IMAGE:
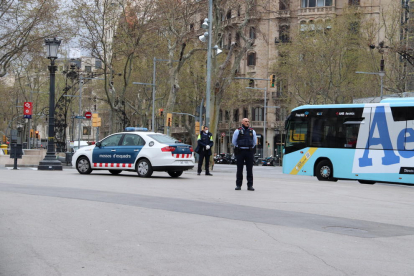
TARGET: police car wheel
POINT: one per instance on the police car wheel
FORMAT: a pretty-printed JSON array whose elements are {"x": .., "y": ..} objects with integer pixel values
[
  {"x": 115, "y": 172},
  {"x": 144, "y": 168},
  {"x": 175, "y": 174},
  {"x": 83, "y": 165}
]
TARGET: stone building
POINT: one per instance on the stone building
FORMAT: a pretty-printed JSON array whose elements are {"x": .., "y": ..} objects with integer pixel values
[{"x": 276, "y": 19}]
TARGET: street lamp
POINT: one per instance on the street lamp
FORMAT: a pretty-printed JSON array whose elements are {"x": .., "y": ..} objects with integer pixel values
[{"x": 50, "y": 162}]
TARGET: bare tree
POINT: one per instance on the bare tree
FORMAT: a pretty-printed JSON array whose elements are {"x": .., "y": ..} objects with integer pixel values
[
  {"x": 25, "y": 23},
  {"x": 113, "y": 31}
]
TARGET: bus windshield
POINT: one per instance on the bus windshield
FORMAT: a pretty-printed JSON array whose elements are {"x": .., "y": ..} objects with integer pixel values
[{"x": 323, "y": 129}]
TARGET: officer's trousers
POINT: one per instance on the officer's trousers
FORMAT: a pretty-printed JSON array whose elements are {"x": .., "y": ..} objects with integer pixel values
[
  {"x": 244, "y": 156},
  {"x": 203, "y": 154}
]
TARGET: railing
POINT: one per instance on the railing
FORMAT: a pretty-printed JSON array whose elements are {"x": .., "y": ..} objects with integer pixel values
[
  {"x": 283, "y": 13},
  {"x": 316, "y": 10},
  {"x": 225, "y": 126},
  {"x": 257, "y": 123}
]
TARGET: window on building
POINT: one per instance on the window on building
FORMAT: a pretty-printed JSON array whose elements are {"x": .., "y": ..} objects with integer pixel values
[
  {"x": 98, "y": 64},
  {"x": 257, "y": 114},
  {"x": 221, "y": 115},
  {"x": 317, "y": 3},
  {"x": 227, "y": 115},
  {"x": 303, "y": 26},
  {"x": 354, "y": 2},
  {"x": 236, "y": 115},
  {"x": 238, "y": 38},
  {"x": 245, "y": 113},
  {"x": 88, "y": 69},
  {"x": 252, "y": 33},
  {"x": 228, "y": 15},
  {"x": 284, "y": 33},
  {"x": 251, "y": 59},
  {"x": 251, "y": 83},
  {"x": 229, "y": 41},
  {"x": 284, "y": 5},
  {"x": 354, "y": 27},
  {"x": 191, "y": 27},
  {"x": 238, "y": 11},
  {"x": 86, "y": 130}
]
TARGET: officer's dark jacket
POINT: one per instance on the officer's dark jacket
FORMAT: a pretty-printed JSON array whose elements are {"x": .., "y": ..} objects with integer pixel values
[
  {"x": 245, "y": 138},
  {"x": 204, "y": 140}
]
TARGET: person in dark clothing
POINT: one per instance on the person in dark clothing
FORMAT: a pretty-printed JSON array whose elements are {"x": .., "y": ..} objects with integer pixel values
[
  {"x": 244, "y": 141},
  {"x": 204, "y": 145}
]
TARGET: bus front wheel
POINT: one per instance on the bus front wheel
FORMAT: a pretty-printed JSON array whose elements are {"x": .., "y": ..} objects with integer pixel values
[{"x": 324, "y": 171}]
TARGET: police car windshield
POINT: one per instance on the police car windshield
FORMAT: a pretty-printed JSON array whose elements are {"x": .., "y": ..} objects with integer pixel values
[{"x": 162, "y": 138}]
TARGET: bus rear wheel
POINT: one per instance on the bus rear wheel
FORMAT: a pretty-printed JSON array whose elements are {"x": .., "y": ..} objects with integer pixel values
[{"x": 324, "y": 171}]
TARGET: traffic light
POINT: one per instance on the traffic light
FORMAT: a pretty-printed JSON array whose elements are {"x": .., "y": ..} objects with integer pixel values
[
  {"x": 272, "y": 80},
  {"x": 222, "y": 139},
  {"x": 31, "y": 133},
  {"x": 197, "y": 127},
  {"x": 96, "y": 120},
  {"x": 4, "y": 140},
  {"x": 37, "y": 134},
  {"x": 161, "y": 111},
  {"x": 169, "y": 119}
]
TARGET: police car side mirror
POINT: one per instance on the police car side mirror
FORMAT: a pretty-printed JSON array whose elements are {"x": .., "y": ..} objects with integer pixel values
[{"x": 98, "y": 144}]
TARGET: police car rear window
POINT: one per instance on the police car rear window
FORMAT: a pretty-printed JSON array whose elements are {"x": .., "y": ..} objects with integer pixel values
[{"x": 161, "y": 138}]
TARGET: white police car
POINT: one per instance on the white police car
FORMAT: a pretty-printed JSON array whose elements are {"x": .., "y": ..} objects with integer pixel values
[{"x": 143, "y": 152}]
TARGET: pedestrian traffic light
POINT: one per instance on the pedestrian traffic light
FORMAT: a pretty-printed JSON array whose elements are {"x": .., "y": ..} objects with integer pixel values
[
  {"x": 37, "y": 134},
  {"x": 272, "y": 80},
  {"x": 197, "y": 127},
  {"x": 31, "y": 133},
  {"x": 161, "y": 111},
  {"x": 169, "y": 119}
]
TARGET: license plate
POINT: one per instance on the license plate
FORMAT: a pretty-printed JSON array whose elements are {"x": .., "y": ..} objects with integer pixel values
[{"x": 183, "y": 162}]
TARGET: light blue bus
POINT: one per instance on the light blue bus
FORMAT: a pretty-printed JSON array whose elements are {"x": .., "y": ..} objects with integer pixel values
[{"x": 371, "y": 142}]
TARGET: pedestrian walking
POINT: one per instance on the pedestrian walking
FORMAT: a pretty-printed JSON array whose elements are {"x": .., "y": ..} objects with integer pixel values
[
  {"x": 204, "y": 145},
  {"x": 244, "y": 141}
]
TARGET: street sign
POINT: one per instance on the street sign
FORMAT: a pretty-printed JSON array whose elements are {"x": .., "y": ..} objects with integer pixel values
[
  {"x": 27, "y": 110},
  {"x": 88, "y": 114},
  {"x": 80, "y": 117},
  {"x": 223, "y": 134}
]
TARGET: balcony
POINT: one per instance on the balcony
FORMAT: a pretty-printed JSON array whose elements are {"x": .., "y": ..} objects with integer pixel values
[
  {"x": 225, "y": 125},
  {"x": 283, "y": 14},
  {"x": 257, "y": 124},
  {"x": 315, "y": 11}
]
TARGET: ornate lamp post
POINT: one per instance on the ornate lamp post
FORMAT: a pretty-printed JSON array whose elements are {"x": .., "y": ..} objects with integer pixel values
[{"x": 50, "y": 162}]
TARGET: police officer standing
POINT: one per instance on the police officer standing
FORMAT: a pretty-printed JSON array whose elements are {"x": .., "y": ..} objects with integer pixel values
[
  {"x": 244, "y": 141},
  {"x": 204, "y": 144}
]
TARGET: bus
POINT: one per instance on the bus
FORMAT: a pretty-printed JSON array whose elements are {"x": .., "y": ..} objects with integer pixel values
[{"x": 371, "y": 142}]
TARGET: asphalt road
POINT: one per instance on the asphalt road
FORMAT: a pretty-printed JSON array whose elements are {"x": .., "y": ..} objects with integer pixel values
[{"x": 64, "y": 223}]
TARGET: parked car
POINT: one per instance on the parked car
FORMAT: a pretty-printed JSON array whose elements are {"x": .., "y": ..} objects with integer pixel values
[{"x": 143, "y": 152}]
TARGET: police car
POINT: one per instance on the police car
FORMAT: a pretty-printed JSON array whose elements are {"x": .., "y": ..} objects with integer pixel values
[{"x": 135, "y": 150}]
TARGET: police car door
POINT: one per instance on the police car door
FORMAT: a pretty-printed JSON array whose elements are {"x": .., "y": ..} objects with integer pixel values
[
  {"x": 105, "y": 155},
  {"x": 127, "y": 153}
]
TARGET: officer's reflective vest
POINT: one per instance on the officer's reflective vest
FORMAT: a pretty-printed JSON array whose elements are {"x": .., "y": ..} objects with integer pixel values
[
  {"x": 245, "y": 138},
  {"x": 205, "y": 138}
]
